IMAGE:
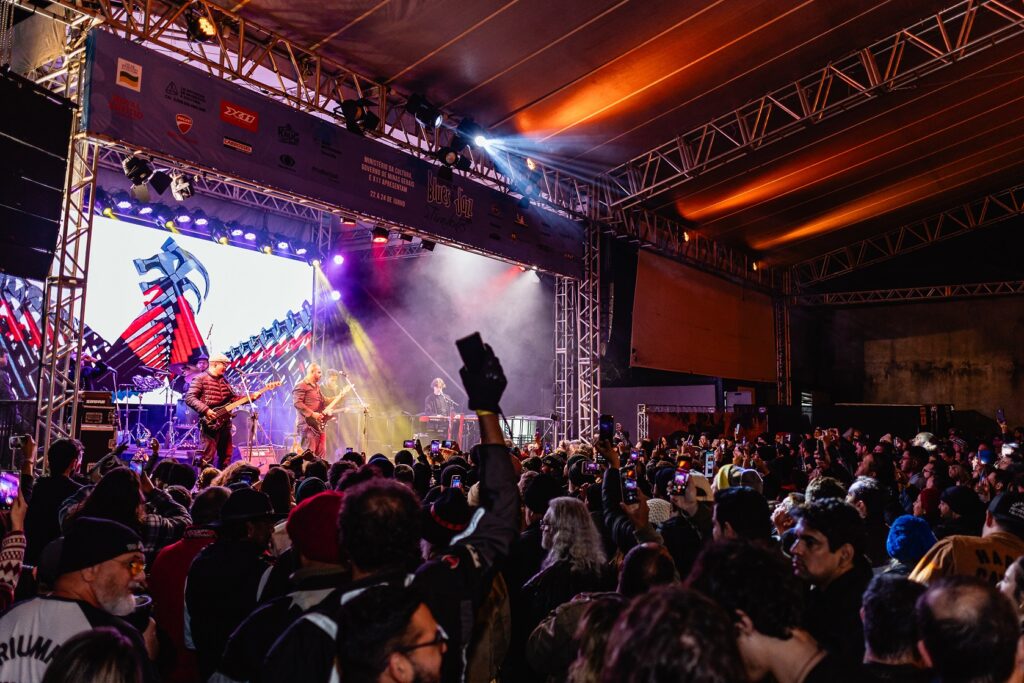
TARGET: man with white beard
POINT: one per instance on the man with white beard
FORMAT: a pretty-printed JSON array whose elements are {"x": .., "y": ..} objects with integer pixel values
[{"x": 101, "y": 566}]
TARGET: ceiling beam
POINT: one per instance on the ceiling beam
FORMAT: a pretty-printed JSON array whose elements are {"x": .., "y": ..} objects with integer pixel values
[
  {"x": 979, "y": 213},
  {"x": 895, "y": 62},
  {"x": 910, "y": 294}
]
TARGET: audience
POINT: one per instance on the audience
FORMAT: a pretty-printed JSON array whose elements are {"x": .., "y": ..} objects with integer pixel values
[{"x": 806, "y": 558}]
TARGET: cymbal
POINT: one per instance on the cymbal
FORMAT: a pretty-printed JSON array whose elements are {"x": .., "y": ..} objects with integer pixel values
[
  {"x": 184, "y": 368},
  {"x": 159, "y": 371}
]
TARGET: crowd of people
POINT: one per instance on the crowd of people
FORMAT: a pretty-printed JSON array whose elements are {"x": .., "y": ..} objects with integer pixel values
[{"x": 827, "y": 557}]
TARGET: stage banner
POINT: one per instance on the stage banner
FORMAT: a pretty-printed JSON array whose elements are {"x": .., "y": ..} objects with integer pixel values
[{"x": 143, "y": 98}]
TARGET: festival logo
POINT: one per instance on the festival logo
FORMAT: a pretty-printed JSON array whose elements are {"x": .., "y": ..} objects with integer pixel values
[
  {"x": 237, "y": 145},
  {"x": 238, "y": 115},
  {"x": 183, "y": 122},
  {"x": 129, "y": 75},
  {"x": 122, "y": 106},
  {"x": 287, "y": 134}
]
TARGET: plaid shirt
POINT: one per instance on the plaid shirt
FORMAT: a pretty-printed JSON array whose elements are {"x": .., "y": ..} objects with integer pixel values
[{"x": 163, "y": 523}]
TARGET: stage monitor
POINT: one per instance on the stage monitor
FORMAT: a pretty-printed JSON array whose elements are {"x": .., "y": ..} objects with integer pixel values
[{"x": 34, "y": 147}]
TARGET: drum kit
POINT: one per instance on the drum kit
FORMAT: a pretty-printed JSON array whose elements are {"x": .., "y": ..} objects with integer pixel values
[{"x": 180, "y": 429}]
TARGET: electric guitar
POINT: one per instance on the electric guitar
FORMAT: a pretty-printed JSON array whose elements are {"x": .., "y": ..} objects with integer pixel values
[
  {"x": 327, "y": 417},
  {"x": 223, "y": 413}
]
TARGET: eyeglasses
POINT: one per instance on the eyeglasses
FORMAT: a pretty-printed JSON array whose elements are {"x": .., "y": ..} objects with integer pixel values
[
  {"x": 440, "y": 638},
  {"x": 136, "y": 567}
]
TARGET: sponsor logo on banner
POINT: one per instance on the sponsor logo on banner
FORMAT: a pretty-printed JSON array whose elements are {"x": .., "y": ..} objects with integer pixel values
[
  {"x": 185, "y": 96},
  {"x": 238, "y": 115},
  {"x": 129, "y": 75},
  {"x": 122, "y": 106},
  {"x": 183, "y": 122},
  {"x": 237, "y": 145},
  {"x": 287, "y": 134},
  {"x": 324, "y": 134},
  {"x": 287, "y": 161}
]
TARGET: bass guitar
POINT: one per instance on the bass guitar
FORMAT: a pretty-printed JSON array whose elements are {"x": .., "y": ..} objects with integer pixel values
[
  {"x": 223, "y": 413},
  {"x": 319, "y": 425}
]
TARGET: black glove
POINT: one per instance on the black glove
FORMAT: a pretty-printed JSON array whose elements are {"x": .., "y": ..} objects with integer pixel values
[{"x": 485, "y": 384}]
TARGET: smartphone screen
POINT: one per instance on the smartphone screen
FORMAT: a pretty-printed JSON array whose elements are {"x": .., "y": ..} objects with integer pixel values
[
  {"x": 630, "y": 492},
  {"x": 350, "y": 450},
  {"x": 435, "y": 446},
  {"x": 10, "y": 483},
  {"x": 136, "y": 466},
  {"x": 409, "y": 443},
  {"x": 447, "y": 444},
  {"x": 606, "y": 428},
  {"x": 457, "y": 481},
  {"x": 684, "y": 460},
  {"x": 1000, "y": 415},
  {"x": 680, "y": 480},
  {"x": 591, "y": 468}
]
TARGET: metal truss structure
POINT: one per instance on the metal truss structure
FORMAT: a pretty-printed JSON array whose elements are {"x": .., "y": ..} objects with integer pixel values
[
  {"x": 588, "y": 338},
  {"x": 783, "y": 351},
  {"x": 979, "y": 213},
  {"x": 321, "y": 288},
  {"x": 566, "y": 301},
  {"x": 643, "y": 423},
  {"x": 909, "y": 294},
  {"x": 894, "y": 62},
  {"x": 63, "y": 319}
]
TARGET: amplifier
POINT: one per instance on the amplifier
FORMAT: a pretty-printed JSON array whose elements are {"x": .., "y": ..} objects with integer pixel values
[
  {"x": 95, "y": 429},
  {"x": 261, "y": 457}
]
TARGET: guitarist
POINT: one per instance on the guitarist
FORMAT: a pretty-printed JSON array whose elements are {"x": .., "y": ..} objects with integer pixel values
[
  {"x": 209, "y": 390},
  {"x": 310, "y": 402}
]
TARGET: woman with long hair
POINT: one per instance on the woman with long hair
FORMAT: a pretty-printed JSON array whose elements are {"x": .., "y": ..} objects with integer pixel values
[
  {"x": 101, "y": 655},
  {"x": 575, "y": 561}
]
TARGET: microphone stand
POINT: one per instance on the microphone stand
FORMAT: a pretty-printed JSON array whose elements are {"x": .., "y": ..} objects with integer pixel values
[{"x": 365, "y": 415}]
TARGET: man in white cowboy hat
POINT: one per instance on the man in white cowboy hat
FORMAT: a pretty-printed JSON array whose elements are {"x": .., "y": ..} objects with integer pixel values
[{"x": 207, "y": 391}]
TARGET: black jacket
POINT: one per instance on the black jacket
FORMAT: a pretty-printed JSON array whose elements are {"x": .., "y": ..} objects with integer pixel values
[
  {"x": 559, "y": 584},
  {"x": 254, "y": 637},
  {"x": 833, "y": 614},
  {"x": 42, "y": 521},
  {"x": 221, "y": 590},
  {"x": 454, "y": 584}
]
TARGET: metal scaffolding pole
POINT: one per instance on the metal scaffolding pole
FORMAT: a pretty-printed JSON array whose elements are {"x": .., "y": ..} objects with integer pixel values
[
  {"x": 588, "y": 337},
  {"x": 908, "y": 294},
  {"x": 565, "y": 358},
  {"x": 64, "y": 293}
]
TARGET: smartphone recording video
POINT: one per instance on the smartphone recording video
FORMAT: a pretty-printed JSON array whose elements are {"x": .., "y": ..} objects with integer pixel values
[
  {"x": 409, "y": 443},
  {"x": 435, "y": 446},
  {"x": 630, "y": 491},
  {"x": 457, "y": 481},
  {"x": 679, "y": 481},
  {"x": 10, "y": 484},
  {"x": 606, "y": 428}
]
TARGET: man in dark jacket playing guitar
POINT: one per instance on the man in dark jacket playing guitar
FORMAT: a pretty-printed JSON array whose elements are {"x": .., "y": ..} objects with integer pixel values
[{"x": 207, "y": 391}]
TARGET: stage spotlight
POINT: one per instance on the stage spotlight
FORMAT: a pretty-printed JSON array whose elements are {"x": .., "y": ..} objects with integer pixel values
[
  {"x": 302, "y": 250},
  {"x": 313, "y": 261},
  {"x": 428, "y": 115},
  {"x": 335, "y": 295},
  {"x": 108, "y": 212},
  {"x": 283, "y": 245},
  {"x": 250, "y": 235},
  {"x": 199, "y": 27},
  {"x": 337, "y": 259},
  {"x": 686, "y": 236},
  {"x": 183, "y": 217},
  {"x": 522, "y": 269},
  {"x": 181, "y": 187},
  {"x": 427, "y": 245},
  {"x": 160, "y": 181},
  {"x": 122, "y": 201},
  {"x": 451, "y": 159},
  {"x": 348, "y": 222},
  {"x": 469, "y": 133},
  {"x": 405, "y": 237},
  {"x": 358, "y": 118},
  {"x": 200, "y": 219},
  {"x": 380, "y": 235},
  {"x": 754, "y": 266},
  {"x": 220, "y": 235},
  {"x": 238, "y": 232},
  {"x": 137, "y": 170},
  {"x": 531, "y": 164},
  {"x": 145, "y": 210},
  {"x": 265, "y": 243}
]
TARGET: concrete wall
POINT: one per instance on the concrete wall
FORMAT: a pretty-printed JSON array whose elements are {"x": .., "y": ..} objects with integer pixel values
[{"x": 969, "y": 353}]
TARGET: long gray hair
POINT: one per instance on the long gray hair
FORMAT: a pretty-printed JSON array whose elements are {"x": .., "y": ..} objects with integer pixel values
[{"x": 569, "y": 534}]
